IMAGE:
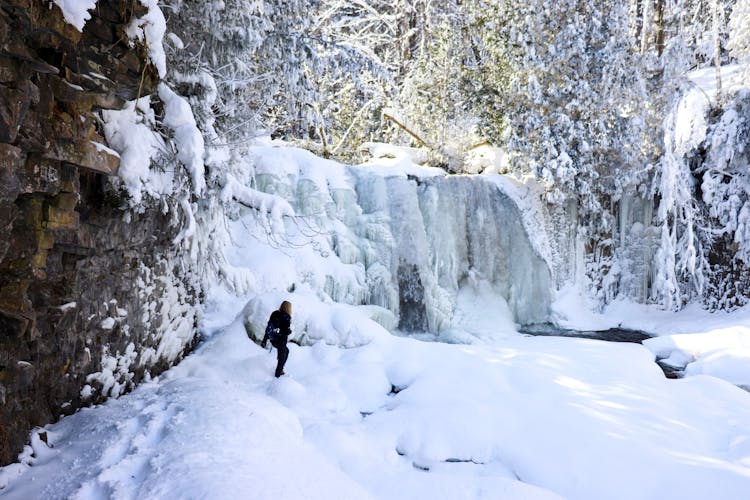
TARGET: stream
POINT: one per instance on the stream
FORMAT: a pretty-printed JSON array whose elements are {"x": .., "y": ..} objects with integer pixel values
[{"x": 611, "y": 335}]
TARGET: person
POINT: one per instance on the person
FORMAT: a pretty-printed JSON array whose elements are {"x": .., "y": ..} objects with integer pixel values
[{"x": 280, "y": 321}]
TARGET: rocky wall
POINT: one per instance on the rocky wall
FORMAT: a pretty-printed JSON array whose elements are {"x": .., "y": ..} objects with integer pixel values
[{"x": 92, "y": 298}]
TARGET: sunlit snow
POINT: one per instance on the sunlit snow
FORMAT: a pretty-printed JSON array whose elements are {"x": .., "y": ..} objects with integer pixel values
[{"x": 365, "y": 414}]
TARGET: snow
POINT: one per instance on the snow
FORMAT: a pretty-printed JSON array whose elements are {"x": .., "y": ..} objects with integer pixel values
[
  {"x": 399, "y": 160},
  {"x": 130, "y": 132},
  {"x": 115, "y": 376},
  {"x": 571, "y": 310},
  {"x": 693, "y": 339},
  {"x": 723, "y": 353},
  {"x": 528, "y": 194},
  {"x": 732, "y": 79},
  {"x": 478, "y": 411},
  {"x": 108, "y": 323},
  {"x": 178, "y": 116},
  {"x": 103, "y": 148},
  {"x": 149, "y": 30},
  {"x": 276, "y": 207},
  {"x": 532, "y": 418},
  {"x": 76, "y": 12}
]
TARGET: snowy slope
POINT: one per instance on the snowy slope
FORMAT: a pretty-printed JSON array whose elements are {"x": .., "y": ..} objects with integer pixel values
[
  {"x": 399, "y": 418},
  {"x": 732, "y": 79}
]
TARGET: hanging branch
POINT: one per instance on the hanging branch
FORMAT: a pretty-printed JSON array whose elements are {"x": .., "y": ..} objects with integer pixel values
[{"x": 395, "y": 120}]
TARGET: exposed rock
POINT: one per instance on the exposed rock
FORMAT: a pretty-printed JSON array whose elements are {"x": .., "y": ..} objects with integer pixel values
[
  {"x": 86, "y": 154},
  {"x": 13, "y": 106},
  {"x": 71, "y": 263}
]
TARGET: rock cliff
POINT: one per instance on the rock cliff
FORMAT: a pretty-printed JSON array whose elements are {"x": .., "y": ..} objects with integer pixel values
[{"x": 93, "y": 297}]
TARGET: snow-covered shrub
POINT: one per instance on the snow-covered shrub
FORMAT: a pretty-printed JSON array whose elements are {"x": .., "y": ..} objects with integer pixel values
[
  {"x": 704, "y": 211},
  {"x": 726, "y": 193}
]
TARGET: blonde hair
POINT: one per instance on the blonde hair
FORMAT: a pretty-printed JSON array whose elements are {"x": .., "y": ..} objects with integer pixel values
[{"x": 286, "y": 307}]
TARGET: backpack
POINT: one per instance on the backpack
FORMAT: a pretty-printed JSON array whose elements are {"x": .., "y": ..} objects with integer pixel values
[{"x": 271, "y": 331}]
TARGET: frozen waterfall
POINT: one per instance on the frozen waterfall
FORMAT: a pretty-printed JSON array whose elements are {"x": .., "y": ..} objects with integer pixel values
[
  {"x": 430, "y": 248},
  {"x": 446, "y": 233}
]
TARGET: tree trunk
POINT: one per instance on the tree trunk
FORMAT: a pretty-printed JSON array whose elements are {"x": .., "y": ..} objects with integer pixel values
[
  {"x": 659, "y": 26},
  {"x": 646, "y": 24},
  {"x": 636, "y": 14},
  {"x": 717, "y": 49},
  {"x": 405, "y": 128}
]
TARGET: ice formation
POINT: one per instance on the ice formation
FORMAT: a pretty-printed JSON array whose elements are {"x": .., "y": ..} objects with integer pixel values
[{"x": 429, "y": 248}]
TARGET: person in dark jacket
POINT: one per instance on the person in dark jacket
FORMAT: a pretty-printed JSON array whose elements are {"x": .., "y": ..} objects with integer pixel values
[{"x": 281, "y": 321}]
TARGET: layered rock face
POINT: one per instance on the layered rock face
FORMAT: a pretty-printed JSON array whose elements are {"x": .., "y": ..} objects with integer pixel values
[{"x": 91, "y": 299}]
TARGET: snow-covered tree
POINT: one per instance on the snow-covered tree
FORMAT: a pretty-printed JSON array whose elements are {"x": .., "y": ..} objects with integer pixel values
[
  {"x": 680, "y": 263},
  {"x": 488, "y": 71},
  {"x": 241, "y": 60},
  {"x": 388, "y": 37},
  {"x": 576, "y": 91},
  {"x": 432, "y": 95},
  {"x": 574, "y": 109},
  {"x": 575, "y": 96},
  {"x": 687, "y": 264},
  {"x": 739, "y": 32},
  {"x": 574, "y": 104},
  {"x": 725, "y": 191}
]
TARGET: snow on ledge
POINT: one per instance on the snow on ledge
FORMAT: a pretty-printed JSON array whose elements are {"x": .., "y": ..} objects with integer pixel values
[
  {"x": 149, "y": 30},
  {"x": 76, "y": 12}
]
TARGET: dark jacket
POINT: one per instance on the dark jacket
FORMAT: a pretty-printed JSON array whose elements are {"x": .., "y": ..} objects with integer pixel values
[{"x": 282, "y": 321}]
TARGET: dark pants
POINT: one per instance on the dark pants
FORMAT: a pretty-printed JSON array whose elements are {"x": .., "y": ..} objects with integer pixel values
[{"x": 282, "y": 353}]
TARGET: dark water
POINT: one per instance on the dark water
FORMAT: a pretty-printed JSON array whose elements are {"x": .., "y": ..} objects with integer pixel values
[{"x": 611, "y": 335}]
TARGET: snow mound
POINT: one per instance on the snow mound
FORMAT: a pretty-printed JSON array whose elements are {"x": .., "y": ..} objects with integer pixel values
[
  {"x": 722, "y": 353},
  {"x": 315, "y": 321}
]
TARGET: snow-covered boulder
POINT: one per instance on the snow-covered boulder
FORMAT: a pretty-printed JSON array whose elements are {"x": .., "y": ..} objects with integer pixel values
[{"x": 316, "y": 321}]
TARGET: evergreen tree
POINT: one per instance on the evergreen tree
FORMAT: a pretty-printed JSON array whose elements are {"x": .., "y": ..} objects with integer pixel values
[
  {"x": 240, "y": 60},
  {"x": 432, "y": 97},
  {"x": 725, "y": 191},
  {"x": 573, "y": 111},
  {"x": 739, "y": 32}
]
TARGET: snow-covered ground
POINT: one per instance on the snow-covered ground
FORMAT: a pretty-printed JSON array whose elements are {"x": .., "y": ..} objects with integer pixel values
[
  {"x": 366, "y": 414},
  {"x": 528, "y": 417},
  {"x": 732, "y": 78},
  {"x": 692, "y": 340}
]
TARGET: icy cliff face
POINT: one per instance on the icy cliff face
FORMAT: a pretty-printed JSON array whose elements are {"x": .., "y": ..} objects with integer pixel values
[
  {"x": 449, "y": 233},
  {"x": 433, "y": 249}
]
